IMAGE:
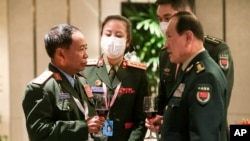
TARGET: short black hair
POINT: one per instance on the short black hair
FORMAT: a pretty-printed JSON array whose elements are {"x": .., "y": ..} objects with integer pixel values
[
  {"x": 59, "y": 36},
  {"x": 187, "y": 21},
  {"x": 178, "y": 5}
]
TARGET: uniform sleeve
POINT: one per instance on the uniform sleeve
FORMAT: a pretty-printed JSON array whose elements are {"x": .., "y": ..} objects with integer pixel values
[
  {"x": 41, "y": 123},
  {"x": 161, "y": 88},
  {"x": 225, "y": 61},
  {"x": 139, "y": 131},
  {"x": 206, "y": 108}
]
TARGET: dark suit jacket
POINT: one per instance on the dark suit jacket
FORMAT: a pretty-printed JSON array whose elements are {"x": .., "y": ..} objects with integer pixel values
[
  {"x": 196, "y": 109},
  {"x": 127, "y": 111},
  {"x": 51, "y": 116}
]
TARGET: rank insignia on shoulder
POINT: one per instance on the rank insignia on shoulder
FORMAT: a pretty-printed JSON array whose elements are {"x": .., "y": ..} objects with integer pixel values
[
  {"x": 212, "y": 39},
  {"x": 138, "y": 65},
  {"x": 224, "y": 61},
  {"x": 41, "y": 79},
  {"x": 57, "y": 76},
  {"x": 92, "y": 62},
  {"x": 199, "y": 67},
  {"x": 203, "y": 94}
]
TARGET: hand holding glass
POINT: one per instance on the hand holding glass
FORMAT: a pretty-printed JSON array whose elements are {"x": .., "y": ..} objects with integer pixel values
[
  {"x": 101, "y": 109},
  {"x": 150, "y": 108}
]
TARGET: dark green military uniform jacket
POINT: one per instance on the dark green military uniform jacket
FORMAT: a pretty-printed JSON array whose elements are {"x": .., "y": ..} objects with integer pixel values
[
  {"x": 216, "y": 48},
  {"x": 52, "y": 110},
  {"x": 127, "y": 112},
  {"x": 196, "y": 109}
]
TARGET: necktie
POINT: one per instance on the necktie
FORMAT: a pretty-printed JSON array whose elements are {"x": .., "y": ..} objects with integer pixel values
[{"x": 112, "y": 74}]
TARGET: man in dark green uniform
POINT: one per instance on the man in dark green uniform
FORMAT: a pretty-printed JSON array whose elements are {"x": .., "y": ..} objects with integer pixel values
[
  {"x": 216, "y": 48},
  {"x": 196, "y": 109},
  {"x": 58, "y": 104}
]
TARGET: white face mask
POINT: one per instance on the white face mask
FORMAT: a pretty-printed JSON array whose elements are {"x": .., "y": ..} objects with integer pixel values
[
  {"x": 113, "y": 47},
  {"x": 164, "y": 27}
]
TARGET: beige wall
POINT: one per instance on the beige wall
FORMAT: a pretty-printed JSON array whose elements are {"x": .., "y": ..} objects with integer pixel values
[
  {"x": 4, "y": 73},
  {"x": 22, "y": 53},
  {"x": 238, "y": 33},
  {"x": 237, "y": 36}
]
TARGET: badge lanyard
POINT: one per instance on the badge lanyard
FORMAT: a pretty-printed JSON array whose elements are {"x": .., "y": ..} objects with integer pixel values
[{"x": 110, "y": 103}]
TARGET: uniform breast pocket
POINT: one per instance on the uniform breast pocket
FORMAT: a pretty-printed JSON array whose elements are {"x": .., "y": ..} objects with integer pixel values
[
  {"x": 175, "y": 102},
  {"x": 172, "y": 112},
  {"x": 64, "y": 105}
]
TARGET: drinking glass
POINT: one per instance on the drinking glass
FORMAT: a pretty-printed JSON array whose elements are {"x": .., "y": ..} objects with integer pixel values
[
  {"x": 150, "y": 108},
  {"x": 102, "y": 110}
]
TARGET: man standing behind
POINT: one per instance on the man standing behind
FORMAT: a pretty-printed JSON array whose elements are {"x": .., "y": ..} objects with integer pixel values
[{"x": 196, "y": 109}]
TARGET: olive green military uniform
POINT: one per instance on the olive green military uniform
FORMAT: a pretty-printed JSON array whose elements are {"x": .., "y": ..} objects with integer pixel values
[
  {"x": 127, "y": 111},
  {"x": 217, "y": 49},
  {"x": 54, "y": 111},
  {"x": 196, "y": 109}
]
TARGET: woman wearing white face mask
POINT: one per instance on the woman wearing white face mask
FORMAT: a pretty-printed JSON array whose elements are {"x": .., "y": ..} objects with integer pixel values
[{"x": 126, "y": 90}]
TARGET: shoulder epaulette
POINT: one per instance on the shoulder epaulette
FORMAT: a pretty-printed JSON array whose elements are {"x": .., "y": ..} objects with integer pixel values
[
  {"x": 41, "y": 79},
  {"x": 199, "y": 67},
  {"x": 91, "y": 62},
  {"x": 212, "y": 39},
  {"x": 135, "y": 64}
]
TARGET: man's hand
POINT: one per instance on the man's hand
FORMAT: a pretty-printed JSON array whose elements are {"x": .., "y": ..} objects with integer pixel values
[
  {"x": 154, "y": 123},
  {"x": 95, "y": 123}
]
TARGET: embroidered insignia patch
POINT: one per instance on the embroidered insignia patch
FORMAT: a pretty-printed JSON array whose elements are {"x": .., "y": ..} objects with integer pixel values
[
  {"x": 203, "y": 94},
  {"x": 88, "y": 90},
  {"x": 224, "y": 61}
]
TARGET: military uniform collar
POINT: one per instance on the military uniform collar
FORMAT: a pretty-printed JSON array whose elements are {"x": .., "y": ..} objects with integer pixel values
[
  {"x": 185, "y": 64},
  {"x": 69, "y": 77},
  {"x": 108, "y": 66}
]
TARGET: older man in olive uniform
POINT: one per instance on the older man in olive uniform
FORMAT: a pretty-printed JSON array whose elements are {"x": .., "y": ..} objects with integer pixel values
[
  {"x": 196, "y": 109},
  {"x": 217, "y": 49},
  {"x": 58, "y": 105}
]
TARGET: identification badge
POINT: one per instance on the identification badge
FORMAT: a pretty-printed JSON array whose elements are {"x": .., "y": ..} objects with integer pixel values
[
  {"x": 108, "y": 128},
  {"x": 64, "y": 96}
]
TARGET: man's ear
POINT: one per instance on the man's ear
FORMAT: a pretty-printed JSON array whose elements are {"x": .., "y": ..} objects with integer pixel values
[
  {"x": 60, "y": 52},
  {"x": 189, "y": 36}
]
